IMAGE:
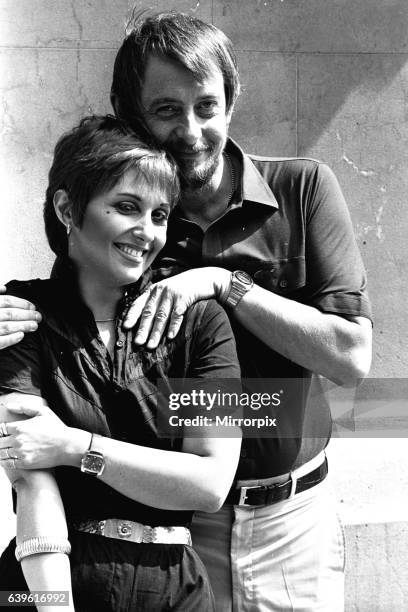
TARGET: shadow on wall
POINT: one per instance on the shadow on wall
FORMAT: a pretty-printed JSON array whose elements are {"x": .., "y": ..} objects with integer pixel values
[{"x": 316, "y": 53}]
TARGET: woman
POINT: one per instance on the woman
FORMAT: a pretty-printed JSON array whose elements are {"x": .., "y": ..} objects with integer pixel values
[{"x": 121, "y": 484}]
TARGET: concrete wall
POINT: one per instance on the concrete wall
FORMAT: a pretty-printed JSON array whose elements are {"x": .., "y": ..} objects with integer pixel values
[{"x": 327, "y": 79}]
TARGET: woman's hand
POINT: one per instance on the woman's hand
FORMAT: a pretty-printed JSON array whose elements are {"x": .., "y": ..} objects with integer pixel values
[
  {"x": 39, "y": 442},
  {"x": 165, "y": 303},
  {"x": 17, "y": 317}
]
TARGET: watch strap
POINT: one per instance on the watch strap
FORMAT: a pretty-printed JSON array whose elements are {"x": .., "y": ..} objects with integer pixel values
[
  {"x": 89, "y": 455},
  {"x": 240, "y": 284}
]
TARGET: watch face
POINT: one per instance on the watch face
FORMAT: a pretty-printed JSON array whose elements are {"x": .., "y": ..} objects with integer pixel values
[
  {"x": 243, "y": 277},
  {"x": 93, "y": 463}
]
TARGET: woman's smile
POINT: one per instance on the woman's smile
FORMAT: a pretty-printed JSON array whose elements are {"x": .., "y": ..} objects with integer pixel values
[{"x": 134, "y": 253}]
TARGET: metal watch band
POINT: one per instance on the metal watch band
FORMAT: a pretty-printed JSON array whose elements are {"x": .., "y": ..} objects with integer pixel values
[{"x": 241, "y": 283}]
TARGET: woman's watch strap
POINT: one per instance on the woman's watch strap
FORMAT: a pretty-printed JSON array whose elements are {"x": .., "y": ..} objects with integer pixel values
[
  {"x": 240, "y": 284},
  {"x": 92, "y": 462}
]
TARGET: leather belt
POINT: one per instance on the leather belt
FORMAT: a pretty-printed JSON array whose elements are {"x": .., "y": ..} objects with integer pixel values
[
  {"x": 131, "y": 531},
  {"x": 261, "y": 495}
]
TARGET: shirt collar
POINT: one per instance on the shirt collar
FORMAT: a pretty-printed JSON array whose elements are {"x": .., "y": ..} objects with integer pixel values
[{"x": 253, "y": 187}]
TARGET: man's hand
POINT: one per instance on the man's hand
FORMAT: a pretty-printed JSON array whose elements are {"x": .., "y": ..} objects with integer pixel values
[
  {"x": 17, "y": 317},
  {"x": 38, "y": 442},
  {"x": 165, "y": 303}
]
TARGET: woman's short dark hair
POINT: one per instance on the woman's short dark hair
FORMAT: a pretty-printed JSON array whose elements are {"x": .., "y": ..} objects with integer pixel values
[
  {"x": 91, "y": 159},
  {"x": 194, "y": 44}
]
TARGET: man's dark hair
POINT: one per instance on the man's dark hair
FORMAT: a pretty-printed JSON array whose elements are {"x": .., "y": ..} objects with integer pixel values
[
  {"x": 192, "y": 43},
  {"x": 90, "y": 159}
]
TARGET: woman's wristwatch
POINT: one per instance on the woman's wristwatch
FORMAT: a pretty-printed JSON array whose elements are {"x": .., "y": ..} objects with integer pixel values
[
  {"x": 92, "y": 462},
  {"x": 240, "y": 284}
]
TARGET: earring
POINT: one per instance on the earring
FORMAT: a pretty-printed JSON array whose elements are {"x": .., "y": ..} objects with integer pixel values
[{"x": 68, "y": 228}]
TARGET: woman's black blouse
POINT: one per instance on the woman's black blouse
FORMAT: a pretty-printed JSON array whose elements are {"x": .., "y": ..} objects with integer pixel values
[{"x": 66, "y": 363}]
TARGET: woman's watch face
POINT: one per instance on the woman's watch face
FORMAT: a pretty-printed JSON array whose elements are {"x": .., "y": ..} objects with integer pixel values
[{"x": 93, "y": 463}]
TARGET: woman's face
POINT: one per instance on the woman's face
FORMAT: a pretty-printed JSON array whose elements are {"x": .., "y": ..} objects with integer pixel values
[{"x": 122, "y": 232}]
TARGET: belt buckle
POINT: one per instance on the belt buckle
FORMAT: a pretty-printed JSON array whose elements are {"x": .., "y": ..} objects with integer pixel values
[
  {"x": 244, "y": 494},
  {"x": 124, "y": 529}
]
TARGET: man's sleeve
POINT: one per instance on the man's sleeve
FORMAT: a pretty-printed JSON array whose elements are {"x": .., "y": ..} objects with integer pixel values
[
  {"x": 336, "y": 278},
  {"x": 213, "y": 352}
]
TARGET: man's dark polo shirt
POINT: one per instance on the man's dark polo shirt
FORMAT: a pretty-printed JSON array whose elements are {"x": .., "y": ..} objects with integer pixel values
[
  {"x": 66, "y": 363},
  {"x": 288, "y": 226}
]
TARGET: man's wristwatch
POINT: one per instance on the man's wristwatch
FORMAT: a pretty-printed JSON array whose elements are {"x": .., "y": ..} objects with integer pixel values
[
  {"x": 240, "y": 284},
  {"x": 92, "y": 462}
]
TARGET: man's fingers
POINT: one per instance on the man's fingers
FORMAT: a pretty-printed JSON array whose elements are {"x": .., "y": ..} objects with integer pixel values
[
  {"x": 176, "y": 320},
  {"x": 29, "y": 411},
  {"x": 135, "y": 310},
  {"x": 147, "y": 317},
  {"x": 13, "y": 327},
  {"x": 4, "y": 443},
  {"x": 11, "y": 464},
  {"x": 17, "y": 317},
  {"x": 161, "y": 318},
  {"x": 18, "y": 314},
  {"x": 10, "y": 301},
  {"x": 11, "y": 339}
]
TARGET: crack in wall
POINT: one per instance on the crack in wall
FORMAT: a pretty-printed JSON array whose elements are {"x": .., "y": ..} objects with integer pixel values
[
  {"x": 350, "y": 162},
  {"x": 363, "y": 230}
]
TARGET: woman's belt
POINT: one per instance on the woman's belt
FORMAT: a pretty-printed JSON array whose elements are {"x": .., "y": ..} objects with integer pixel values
[{"x": 131, "y": 531}]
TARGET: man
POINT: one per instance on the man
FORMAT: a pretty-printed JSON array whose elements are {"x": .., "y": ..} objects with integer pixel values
[{"x": 272, "y": 240}]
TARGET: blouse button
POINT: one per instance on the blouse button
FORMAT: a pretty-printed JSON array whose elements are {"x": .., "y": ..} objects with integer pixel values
[
  {"x": 119, "y": 343},
  {"x": 283, "y": 283}
]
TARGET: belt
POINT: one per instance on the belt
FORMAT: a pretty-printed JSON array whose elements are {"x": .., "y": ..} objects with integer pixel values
[
  {"x": 134, "y": 532},
  {"x": 261, "y": 495}
]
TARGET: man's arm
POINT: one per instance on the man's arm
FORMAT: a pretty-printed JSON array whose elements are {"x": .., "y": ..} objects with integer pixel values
[
  {"x": 334, "y": 346},
  {"x": 331, "y": 334},
  {"x": 17, "y": 317}
]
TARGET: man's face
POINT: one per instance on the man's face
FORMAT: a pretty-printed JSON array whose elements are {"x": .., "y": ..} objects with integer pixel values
[{"x": 187, "y": 117}]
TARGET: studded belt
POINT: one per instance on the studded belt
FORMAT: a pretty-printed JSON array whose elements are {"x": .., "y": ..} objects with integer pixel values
[{"x": 131, "y": 531}]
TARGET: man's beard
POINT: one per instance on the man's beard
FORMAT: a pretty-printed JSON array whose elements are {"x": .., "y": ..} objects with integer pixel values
[{"x": 193, "y": 176}]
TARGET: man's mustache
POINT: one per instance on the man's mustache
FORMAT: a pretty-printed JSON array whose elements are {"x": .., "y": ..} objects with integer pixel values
[{"x": 180, "y": 148}]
